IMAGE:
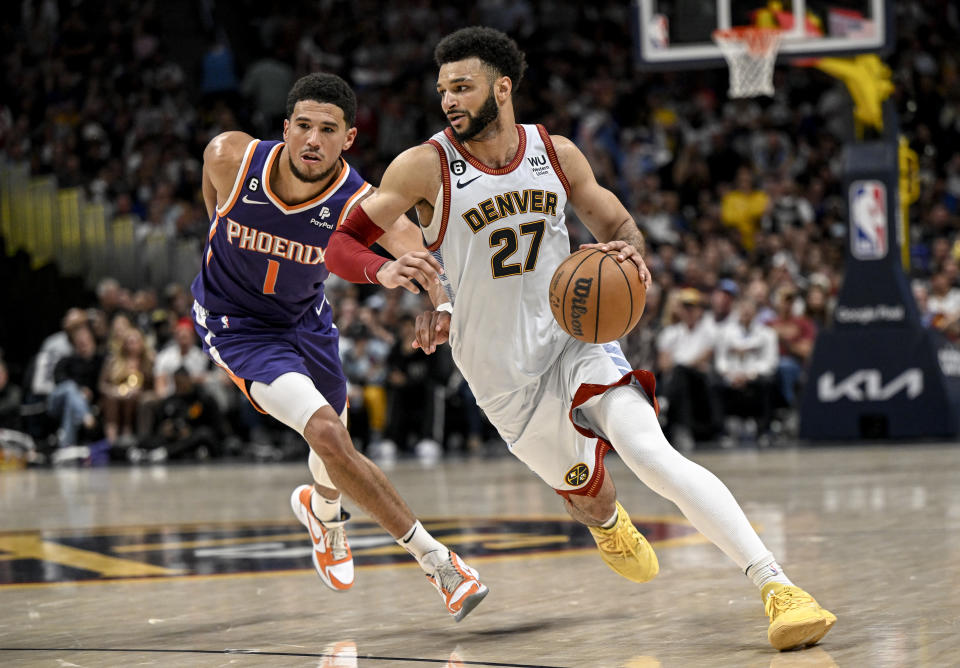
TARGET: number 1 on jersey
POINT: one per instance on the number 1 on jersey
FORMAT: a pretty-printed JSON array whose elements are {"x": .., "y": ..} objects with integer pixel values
[
  {"x": 270, "y": 280},
  {"x": 506, "y": 238}
]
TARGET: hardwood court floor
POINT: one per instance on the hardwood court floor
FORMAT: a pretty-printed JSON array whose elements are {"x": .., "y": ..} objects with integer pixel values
[{"x": 206, "y": 566}]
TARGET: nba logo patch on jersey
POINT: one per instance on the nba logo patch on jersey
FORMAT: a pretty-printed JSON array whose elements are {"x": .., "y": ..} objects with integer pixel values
[{"x": 868, "y": 220}]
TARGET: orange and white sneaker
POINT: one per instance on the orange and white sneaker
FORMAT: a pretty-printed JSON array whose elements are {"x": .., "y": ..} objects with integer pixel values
[
  {"x": 458, "y": 585},
  {"x": 341, "y": 654},
  {"x": 331, "y": 552}
]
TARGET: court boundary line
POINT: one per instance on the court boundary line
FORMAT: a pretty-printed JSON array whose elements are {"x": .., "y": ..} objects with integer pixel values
[{"x": 253, "y": 652}]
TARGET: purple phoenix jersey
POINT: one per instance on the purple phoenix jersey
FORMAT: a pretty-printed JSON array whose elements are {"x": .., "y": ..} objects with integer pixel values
[{"x": 260, "y": 307}]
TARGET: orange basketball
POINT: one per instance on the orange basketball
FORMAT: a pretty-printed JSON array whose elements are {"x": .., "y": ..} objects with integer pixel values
[{"x": 595, "y": 298}]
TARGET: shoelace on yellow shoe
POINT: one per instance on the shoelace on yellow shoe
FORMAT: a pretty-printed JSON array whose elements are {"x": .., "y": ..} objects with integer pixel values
[
  {"x": 784, "y": 600},
  {"x": 619, "y": 542}
]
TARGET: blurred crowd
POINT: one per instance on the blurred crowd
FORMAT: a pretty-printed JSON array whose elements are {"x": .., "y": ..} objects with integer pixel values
[{"x": 741, "y": 201}]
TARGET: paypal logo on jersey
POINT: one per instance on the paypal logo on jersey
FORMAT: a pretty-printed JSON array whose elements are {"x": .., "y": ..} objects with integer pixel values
[
  {"x": 868, "y": 220},
  {"x": 323, "y": 222}
]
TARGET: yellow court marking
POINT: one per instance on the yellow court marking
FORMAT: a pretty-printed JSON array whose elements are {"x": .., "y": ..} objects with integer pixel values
[
  {"x": 693, "y": 539},
  {"x": 30, "y": 546},
  {"x": 123, "y": 571},
  {"x": 265, "y": 538},
  {"x": 208, "y": 542}
]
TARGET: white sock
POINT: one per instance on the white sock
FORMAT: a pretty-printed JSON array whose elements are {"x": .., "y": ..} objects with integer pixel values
[
  {"x": 628, "y": 421},
  {"x": 326, "y": 510},
  {"x": 765, "y": 570},
  {"x": 610, "y": 522},
  {"x": 426, "y": 549}
]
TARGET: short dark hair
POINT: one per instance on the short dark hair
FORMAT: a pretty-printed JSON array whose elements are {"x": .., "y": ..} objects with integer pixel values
[
  {"x": 492, "y": 47},
  {"x": 324, "y": 87}
]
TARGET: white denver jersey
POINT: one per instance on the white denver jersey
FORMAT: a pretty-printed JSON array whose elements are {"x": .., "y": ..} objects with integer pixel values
[{"x": 499, "y": 235}]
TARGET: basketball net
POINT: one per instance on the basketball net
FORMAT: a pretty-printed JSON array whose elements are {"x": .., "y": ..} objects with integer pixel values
[{"x": 751, "y": 54}]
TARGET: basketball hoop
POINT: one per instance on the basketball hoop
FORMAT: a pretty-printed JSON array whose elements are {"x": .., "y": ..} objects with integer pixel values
[{"x": 751, "y": 54}]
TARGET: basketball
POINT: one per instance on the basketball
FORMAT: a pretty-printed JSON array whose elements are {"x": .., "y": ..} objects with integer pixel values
[{"x": 595, "y": 298}]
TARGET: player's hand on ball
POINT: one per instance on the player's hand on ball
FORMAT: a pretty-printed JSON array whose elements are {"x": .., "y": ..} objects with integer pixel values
[
  {"x": 433, "y": 329},
  {"x": 419, "y": 266},
  {"x": 626, "y": 251}
]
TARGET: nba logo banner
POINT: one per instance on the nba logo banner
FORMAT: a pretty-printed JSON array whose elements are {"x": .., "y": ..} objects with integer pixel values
[{"x": 868, "y": 220}]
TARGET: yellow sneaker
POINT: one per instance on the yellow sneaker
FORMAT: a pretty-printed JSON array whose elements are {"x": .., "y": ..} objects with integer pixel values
[
  {"x": 796, "y": 619},
  {"x": 625, "y": 549}
]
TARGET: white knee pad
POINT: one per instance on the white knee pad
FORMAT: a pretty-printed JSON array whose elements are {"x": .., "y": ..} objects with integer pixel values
[{"x": 292, "y": 398}]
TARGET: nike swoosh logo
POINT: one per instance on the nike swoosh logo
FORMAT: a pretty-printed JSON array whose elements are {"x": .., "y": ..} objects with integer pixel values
[
  {"x": 466, "y": 183},
  {"x": 251, "y": 201},
  {"x": 407, "y": 540}
]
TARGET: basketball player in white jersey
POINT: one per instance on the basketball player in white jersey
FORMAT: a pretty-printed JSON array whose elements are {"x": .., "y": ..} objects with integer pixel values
[{"x": 490, "y": 196}]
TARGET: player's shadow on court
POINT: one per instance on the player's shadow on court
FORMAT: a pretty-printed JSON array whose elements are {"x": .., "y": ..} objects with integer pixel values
[
  {"x": 501, "y": 631},
  {"x": 812, "y": 657}
]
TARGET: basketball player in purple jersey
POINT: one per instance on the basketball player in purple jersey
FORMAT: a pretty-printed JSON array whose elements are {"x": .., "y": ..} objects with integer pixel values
[
  {"x": 559, "y": 403},
  {"x": 262, "y": 315}
]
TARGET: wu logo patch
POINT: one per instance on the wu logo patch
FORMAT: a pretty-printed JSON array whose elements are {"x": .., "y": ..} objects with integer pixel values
[
  {"x": 539, "y": 164},
  {"x": 458, "y": 167},
  {"x": 254, "y": 184},
  {"x": 577, "y": 476}
]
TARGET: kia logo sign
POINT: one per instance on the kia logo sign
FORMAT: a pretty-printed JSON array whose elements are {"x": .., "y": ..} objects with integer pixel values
[{"x": 867, "y": 385}]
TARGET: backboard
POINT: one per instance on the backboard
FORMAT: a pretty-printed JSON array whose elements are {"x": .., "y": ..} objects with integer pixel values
[{"x": 677, "y": 34}]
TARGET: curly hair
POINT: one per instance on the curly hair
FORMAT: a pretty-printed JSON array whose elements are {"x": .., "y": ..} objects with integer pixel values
[
  {"x": 494, "y": 48},
  {"x": 323, "y": 87}
]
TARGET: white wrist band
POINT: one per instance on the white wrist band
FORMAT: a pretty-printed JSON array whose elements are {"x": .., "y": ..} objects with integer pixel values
[{"x": 446, "y": 306}]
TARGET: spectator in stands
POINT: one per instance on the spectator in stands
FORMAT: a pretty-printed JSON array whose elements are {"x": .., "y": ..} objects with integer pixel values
[
  {"x": 721, "y": 303},
  {"x": 819, "y": 308},
  {"x": 640, "y": 344},
  {"x": 363, "y": 357},
  {"x": 76, "y": 392},
  {"x": 54, "y": 348},
  {"x": 189, "y": 423},
  {"x": 921, "y": 294},
  {"x": 265, "y": 85},
  {"x": 110, "y": 297},
  {"x": 180, "y": 353},
  {"x": 99, "y": 326},
  {"x": 410, "y": 383},
  {"x": 746, "y": 361},
  {"x": 796, "y": 334},
  {"x": 126, "y": 377},
  {"x": 685, "y": 353},
  {"x": 743, "y": 207},
  {"x": 943, "y": 303},
  {"x": 788, "y": 209}
]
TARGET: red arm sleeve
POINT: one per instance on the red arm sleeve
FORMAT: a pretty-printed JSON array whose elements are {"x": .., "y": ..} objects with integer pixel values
[{"x": 348, "y": 252}]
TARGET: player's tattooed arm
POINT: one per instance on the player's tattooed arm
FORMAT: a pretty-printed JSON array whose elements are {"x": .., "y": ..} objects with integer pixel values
[{"x": 600, "y": 210}]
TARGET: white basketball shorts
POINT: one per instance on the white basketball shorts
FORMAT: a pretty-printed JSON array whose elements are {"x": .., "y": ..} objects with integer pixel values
[{"x": 535, "y": 419}]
